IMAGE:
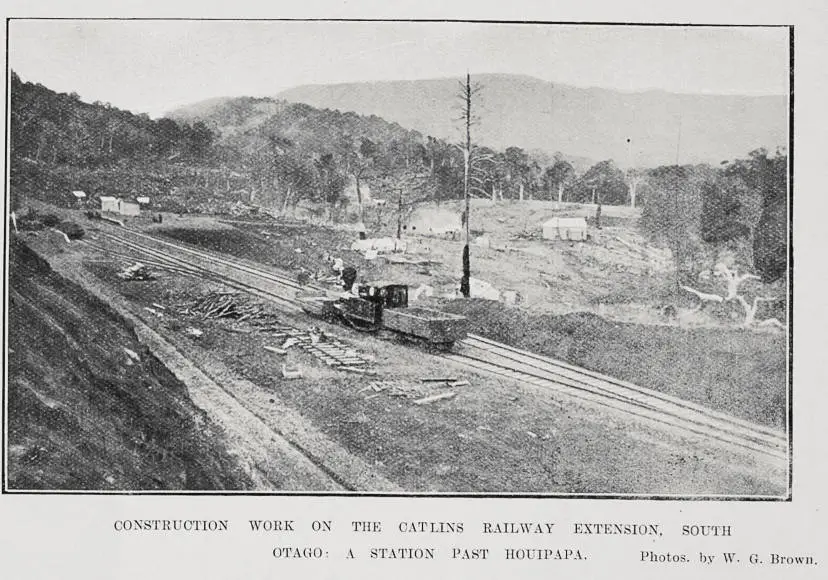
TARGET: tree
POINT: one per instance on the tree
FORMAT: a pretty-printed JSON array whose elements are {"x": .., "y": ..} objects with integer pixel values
[
  {"x": 768, "y": 175},
  {"x": 468, "y": 92},
  {"x": 721, "y": 215},
  {"x": 518, "y": 168},
  {"x": 358, "y": 156},
  {"x": 602, "y": 180},
  {"x": 733, "y": 283},
  {"x": 200, "y": 139},
  {"x": 672, "y": 215},
  {"x": 559, "y": 176},
  {"x": 331, "y": 182},
  {"x": 634, "y": 179}
]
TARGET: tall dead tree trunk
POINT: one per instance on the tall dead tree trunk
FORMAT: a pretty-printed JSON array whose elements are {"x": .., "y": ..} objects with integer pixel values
[
  {"x": 465, "y": 281},
  {"x": 361, "y": 210}
]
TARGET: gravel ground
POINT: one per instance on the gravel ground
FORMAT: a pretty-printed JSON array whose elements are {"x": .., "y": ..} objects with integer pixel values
[{"x": 493, "y": 436}]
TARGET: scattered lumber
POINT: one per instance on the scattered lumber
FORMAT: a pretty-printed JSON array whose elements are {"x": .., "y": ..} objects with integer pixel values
[
  {"x": 438, "y": 379},
  {"x": 132, "y": 354},
  {"x": 357, "y": 370},
  {"x": 225, "y": 305},
  {"x": 275, "y": 350},
  {"x": 291, "y": 372},
  {"x": 137, "y": 271},
  {"x": 113, "y": 220},
  {"x": 434, "y": 398}
]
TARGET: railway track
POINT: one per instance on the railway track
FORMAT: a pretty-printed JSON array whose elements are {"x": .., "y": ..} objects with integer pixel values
[
  {"x": 257, "y": 287},
  {"x": 503, "y": 361},
  {"x": 212, "y": 259},
  {"x": 498, "y": 359}
]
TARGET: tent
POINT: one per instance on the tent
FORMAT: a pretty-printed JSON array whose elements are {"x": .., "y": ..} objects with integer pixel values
[{"x": 572, "y": 228}]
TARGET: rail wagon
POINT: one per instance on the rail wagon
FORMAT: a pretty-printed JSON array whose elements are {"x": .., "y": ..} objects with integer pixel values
[{"x": 384, "y": 306}]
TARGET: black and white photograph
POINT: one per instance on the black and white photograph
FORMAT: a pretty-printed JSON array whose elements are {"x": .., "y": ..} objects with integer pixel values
[{"x": 405, "y": 258}]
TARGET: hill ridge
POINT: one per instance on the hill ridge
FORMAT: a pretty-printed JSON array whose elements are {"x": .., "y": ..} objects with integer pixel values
[{"x": 589, "y": 122}]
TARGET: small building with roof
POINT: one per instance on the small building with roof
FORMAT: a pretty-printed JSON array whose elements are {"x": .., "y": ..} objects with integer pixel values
[
  {"x": 77, "y": 198},
  {"x": 110, "y": 204},
  {"x": 119, "y": 206},
  {"x": 565, "y": 228}
]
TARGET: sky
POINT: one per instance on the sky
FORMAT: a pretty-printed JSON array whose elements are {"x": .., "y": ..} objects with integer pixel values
[{"x": 155, "y": 66}]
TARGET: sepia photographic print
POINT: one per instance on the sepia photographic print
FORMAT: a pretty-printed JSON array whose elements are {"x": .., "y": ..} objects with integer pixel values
[{"x": 402, "y": 258}]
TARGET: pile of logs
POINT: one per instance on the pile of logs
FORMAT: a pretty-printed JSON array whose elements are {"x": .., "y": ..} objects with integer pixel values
[
  {"x": 137, "y": 271},
  {"x": 225, "y": 305}
]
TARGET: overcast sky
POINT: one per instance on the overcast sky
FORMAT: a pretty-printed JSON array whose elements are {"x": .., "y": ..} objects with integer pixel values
[{"x": 155, "y": 66}]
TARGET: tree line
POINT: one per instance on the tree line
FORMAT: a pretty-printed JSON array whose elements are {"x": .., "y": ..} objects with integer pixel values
[
  {"x": 59, "y": 128},
  {"x": 704, "y": 212},
  {"x": 284, "y": 154}
]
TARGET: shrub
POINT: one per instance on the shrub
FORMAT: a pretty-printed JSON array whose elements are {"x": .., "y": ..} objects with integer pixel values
[
  {"x": 50, "y": 220},
  {"x": 72, "y": 230}
]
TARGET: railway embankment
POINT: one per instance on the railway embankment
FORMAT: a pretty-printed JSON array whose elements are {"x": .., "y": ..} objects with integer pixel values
[{"x": 90, "y": 406}]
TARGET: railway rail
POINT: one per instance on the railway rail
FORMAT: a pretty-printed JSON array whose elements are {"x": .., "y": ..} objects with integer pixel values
[
  {"x": 503, "y": 361},
  {"x": 498, "y": 359},
  {"x": 259, "y": 289}
]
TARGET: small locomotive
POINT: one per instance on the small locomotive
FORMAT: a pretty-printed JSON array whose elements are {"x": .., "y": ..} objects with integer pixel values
[{"x": 384, "y": 306}]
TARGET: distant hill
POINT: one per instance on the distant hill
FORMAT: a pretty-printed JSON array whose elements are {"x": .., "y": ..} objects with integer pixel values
[
  {"x": 237, "y": 120},
  {"x": 587, "y": 122}
]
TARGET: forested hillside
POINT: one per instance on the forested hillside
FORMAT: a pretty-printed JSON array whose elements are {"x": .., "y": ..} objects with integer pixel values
[
  {"x": 280, "y": 155},
  {"x": 260, "y": 150}
]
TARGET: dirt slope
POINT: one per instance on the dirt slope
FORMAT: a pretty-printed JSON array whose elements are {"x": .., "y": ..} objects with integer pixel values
[{"x": 89, "y": 407}]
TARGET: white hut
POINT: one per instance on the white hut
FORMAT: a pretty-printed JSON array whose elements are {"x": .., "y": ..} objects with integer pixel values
[
  {"x": 130, "y": 208},
  {"x": 569, "y": 228},
  {"x": 120, "y": 206},
  {"x": 432, "y": 221},
  {"x": 110, "y": 203}
]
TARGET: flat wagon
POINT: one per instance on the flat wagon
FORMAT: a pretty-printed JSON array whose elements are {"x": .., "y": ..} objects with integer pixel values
[
  {"x": 437, "y": 328},
  {"x": 381, "y": 306}
]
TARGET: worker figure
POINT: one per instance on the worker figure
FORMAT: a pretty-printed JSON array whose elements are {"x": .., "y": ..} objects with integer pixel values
[{"x": 349, "y": 276}]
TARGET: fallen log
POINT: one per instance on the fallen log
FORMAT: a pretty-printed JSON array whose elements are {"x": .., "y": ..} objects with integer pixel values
[{"x": 434, "y": 398}]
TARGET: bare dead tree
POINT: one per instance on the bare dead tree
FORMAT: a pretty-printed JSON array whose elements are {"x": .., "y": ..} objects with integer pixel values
[
  {"x": 733, "y": 281},
  {"x": 467, "y": 94}
]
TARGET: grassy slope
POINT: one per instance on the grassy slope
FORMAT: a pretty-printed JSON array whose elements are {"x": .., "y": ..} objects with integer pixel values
[
  {"x": 82, "y": 413},
  {"x": 737, "y": 371},
  {"x": 478, "y": 441}
]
